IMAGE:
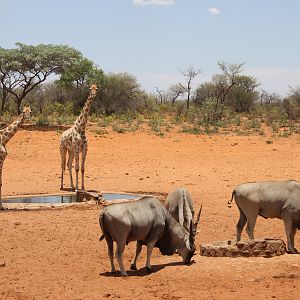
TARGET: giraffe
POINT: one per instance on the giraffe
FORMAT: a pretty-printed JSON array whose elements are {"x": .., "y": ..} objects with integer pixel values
[
  {"x": 74, "y": 141},
  {"x": 6, "y": 133}
]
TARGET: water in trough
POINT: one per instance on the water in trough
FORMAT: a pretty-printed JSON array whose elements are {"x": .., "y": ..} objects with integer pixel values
[{"x": 66, "y": 198}]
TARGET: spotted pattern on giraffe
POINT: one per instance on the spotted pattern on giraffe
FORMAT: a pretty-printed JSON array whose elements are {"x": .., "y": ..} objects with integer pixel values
[
  {"x": 74, "y": 141},
  {"x": 6, "y": 133}
]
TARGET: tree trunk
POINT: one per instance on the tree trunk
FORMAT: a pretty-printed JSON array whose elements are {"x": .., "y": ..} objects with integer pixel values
[
  {"x": 188, "y": 101},
  {"x": 3, "y": 100},
  {"x": 2, "y": 106},
  {"x": 19, "y": 102}
]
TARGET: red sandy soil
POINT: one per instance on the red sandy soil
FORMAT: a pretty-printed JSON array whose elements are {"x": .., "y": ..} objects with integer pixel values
[{"x": 56, "y": 253}]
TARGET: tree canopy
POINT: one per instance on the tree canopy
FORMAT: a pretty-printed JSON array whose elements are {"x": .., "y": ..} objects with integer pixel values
[{"x": 26, "y": 66}]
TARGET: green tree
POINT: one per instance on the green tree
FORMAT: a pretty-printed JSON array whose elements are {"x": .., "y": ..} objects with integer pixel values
[
  {"x": 206, "y": 90},
  {"x": 243, "y": 94},
  {"x": 227, "y": 79},
  {"x": 229, "y": 89},
  {"x": 291, "y": 104},
  {"x": 120, "y": 92},
  {"x": 80, "y": 73},
  {"x": 26, "y": 66}
]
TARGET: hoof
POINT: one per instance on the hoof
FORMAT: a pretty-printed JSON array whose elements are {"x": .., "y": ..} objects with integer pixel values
[
  {"x": 124, "y": 275},
  {"x": 149, "y": 270},
  {"x": 294, "y": 251},
  {"x": 133, "y": 267}
]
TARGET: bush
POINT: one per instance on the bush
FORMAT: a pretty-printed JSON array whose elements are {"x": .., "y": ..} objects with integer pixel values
[
  {"x": 253, "y": 124},
  {"x": 211, "y": 111},
  {"x": 41, "y": 120},
  {"x": 191, "y": 129}
]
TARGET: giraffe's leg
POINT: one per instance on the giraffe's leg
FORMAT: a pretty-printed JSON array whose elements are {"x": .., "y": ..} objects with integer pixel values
[
  {"x": 63, "y": 153},
  {"x": 70, "y": 161},
  {"x": 1, "y": 206},
  {"x": 76, "y": 168},
  {"x": 84, "y": 153}
]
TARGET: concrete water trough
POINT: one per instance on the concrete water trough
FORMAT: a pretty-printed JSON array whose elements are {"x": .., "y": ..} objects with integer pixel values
[
  {"x": 61, "y": 199},
  {"x": 260, "y": 247}
]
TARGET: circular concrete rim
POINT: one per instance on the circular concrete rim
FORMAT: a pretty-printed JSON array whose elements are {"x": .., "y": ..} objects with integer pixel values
[{"x": 28, "y": 206}]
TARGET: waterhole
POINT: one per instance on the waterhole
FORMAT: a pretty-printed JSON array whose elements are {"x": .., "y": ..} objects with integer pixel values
[{"x": 67, "y": 198}]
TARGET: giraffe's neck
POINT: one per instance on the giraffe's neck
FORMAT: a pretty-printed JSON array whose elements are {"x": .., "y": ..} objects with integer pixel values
[
  {"x": 81, "y": 121},
  {"x": 10, "y": 130}
]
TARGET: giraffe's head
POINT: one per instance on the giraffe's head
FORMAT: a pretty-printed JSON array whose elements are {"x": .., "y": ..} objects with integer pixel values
[
  {"x": 93, "y": 89},
  {"x": 26, "y": 110}
]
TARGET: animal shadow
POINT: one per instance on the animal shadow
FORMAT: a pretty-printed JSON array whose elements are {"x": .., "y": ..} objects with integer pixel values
[{"x": 143, "y": 271}]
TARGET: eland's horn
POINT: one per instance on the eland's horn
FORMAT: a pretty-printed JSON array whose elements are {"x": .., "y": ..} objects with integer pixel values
[
  {"x": 191, "y": 226},
  {"x": 198, "y": 219},
  {"x": 192, "y": 233}
]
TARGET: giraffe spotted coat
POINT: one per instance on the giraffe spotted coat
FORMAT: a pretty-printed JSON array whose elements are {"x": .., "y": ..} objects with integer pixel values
[{"x": 73, "y": 141}]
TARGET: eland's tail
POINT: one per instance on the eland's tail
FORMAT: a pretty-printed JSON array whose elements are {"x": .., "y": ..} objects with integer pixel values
[
  {"x": 101, "y": 220},
  {"x": 230, "y": 201}
]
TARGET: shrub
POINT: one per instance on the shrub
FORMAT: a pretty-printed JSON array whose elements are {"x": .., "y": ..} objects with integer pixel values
[
  {"x": 211, "y": 111},
  {"x": 41, "y": 120}
]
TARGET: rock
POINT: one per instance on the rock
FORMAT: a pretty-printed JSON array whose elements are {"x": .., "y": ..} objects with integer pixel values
[
  {"x": 2, "y": 263},
  {"x": 255, "y": 248}
]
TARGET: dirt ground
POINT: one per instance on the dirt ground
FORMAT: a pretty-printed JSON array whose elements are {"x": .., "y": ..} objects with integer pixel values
[{"x": 56, "y": 253}]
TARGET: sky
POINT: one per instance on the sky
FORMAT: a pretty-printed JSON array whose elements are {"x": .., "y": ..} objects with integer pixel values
[{"x": 154, "y": 40}]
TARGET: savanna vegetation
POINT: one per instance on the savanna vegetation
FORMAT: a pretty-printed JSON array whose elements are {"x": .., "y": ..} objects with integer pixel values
[{"x": 54, "y": 80}]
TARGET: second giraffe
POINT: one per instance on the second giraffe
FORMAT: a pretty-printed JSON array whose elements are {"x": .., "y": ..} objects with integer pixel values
[{"x": 74, "y": 141}]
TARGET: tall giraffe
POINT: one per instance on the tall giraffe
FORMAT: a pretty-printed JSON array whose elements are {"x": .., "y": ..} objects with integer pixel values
[
  {"x": 74, "y": 141},
  {"x": 6, "y": 133}
]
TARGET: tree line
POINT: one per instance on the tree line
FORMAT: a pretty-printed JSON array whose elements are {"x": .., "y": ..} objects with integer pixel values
[{"x": 55, "y": 78}]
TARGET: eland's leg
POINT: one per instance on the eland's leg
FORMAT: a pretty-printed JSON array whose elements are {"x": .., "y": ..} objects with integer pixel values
[
  {"x": 293, "y": 233},
  {"x": 137, "y": 253},
  {"x": 152, "y": 239},
  {"x": 290, "y": 230},
  {"x": 150, "y": 247},
  {"x": 240, "y": 225},
  {"x": 251, "y": 220},
  {"x": 110, "y": 246},
  {"x": 119, "y": 254}
]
